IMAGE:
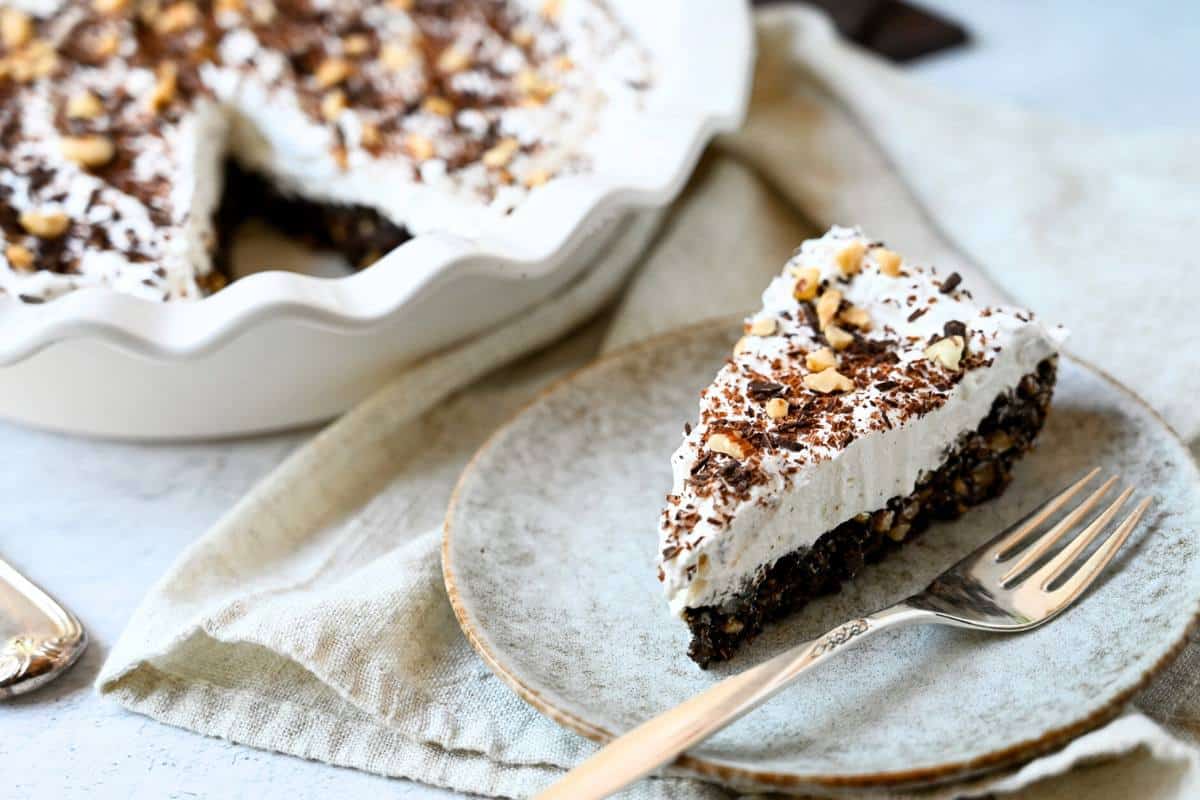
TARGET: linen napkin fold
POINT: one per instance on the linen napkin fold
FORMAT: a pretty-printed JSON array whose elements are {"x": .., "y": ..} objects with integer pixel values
[{"x": 312, "y": 619}]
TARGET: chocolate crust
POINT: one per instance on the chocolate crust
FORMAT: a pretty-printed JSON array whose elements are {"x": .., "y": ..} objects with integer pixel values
[
  {"x": 978, "y": 469},
  {"x": 359, "y": 233}
]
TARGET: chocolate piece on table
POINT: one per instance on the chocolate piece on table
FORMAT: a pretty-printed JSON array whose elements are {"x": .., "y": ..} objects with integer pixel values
[
  {"x": 896, "y": 30},
  {"x": 903, "y": 32}
]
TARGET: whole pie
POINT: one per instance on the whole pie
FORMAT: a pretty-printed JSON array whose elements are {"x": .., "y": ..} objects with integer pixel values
[
  {"x": 868, "y": 398},
  {"x": 137, "y": 133}
]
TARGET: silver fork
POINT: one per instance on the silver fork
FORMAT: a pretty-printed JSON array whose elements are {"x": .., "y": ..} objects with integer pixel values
[
  {"x": 52, "y": 637},
  {"x": 1003, "y": 586}
]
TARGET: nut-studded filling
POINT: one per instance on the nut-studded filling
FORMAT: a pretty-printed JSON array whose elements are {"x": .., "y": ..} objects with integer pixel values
[{"x": 977, "y": 469}]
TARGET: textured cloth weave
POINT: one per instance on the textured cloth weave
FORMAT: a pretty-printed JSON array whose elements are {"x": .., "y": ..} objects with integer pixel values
[{"x": 312, "y": 619}]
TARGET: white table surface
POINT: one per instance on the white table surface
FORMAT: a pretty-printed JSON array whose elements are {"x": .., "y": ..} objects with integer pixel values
[{"x": 96, "y": 523}]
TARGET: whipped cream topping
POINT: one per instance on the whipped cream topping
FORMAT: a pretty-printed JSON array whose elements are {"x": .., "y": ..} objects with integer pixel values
[
  {"x": 145, "y": 232},
  {"x": 780, "y": 456},
  {"x": 439, "y": 116}
]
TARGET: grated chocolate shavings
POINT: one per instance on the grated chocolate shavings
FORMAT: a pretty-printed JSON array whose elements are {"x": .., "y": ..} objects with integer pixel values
[
  {"x": 764, "y": 390},
  {"x": 951, "y": 283}
]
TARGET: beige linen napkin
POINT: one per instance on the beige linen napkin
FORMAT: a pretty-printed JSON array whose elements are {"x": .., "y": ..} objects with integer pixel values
[{"x": 312, "y": 619}]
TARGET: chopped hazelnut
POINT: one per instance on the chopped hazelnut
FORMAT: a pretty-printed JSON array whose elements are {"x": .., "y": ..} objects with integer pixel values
[
  {"x": 369, "y": 136},
  {"x": 946, "y": 352},
  {"x": 331, "y": 72},
  {"x": 777, "y": 408},
  {"x": 856, "y": 317},
  {"x": 164, "y": 88},
  {"x": 16, "y": 28},
  {"x": 997, "y": 441},
  {"x": 888, "y": 261},
  {"x": 828, "y": 381},
  {"x": 808, "y": 280},
  {"x": 341, "y": 156},
  {"x": 764, "y": 326},
  {"x": 36, "y": 59},
  {"x": 849, "y": 258},
  {"x": 535, "y": 88},
  {"x": 537, "y": 177},
  {"x": 396, "y": 56},
  {"x": 356, "y": 44},
  {"x": 820, "y": 360},
  {"x": 501, "y": 153},
  {"x": 19, "y": 258},
  {"x": 551, "y": 9},
  {"x": 84, "y": 105},
  {"x": 827, "y": 306},
  {"x": 437, "y": 105},
  {"x": 522, "y": 36},
  {"x": 45, "y": 224},
  {"x": 176, "y": 18},
  {"x": 742, "y": 346},
  {"x": 419, "y": 147},
  {"x": 89, "y": 151},
  {"x": 730, "y": 445},
  {"x": 105, "y": 45},
  {"x": 263, "y": 12},
  {"x": 838, "y": 339},
  {"x": 563, "y": 64},
  {"x": 148, "y": 11},
  {"x": 107, "y": 7},
  {"x": 453, "y": 59},
  {"x": 333, "y": 104}
]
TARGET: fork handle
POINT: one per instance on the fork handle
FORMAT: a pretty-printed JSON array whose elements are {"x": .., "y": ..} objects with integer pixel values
[{"x": 661, "y": 739}]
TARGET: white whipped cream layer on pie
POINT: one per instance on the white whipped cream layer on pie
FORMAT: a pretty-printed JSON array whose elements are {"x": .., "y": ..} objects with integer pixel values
[
  {"x": 185, "y": 157},
  {"x": 806, "y": 493}
]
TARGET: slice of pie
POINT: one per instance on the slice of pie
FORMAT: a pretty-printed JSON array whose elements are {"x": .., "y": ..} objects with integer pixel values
[{"x": 867, "y": 398}]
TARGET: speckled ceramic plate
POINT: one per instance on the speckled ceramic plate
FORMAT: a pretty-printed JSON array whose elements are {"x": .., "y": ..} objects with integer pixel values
[{"x": 549, "y": 562}]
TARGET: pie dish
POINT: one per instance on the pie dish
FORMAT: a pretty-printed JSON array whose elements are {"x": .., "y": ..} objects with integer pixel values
[
  {"x": 100, "y": 361},
  {"x": 867, "y": 398}
]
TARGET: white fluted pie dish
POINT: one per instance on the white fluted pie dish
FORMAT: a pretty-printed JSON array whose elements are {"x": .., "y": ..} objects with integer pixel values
[{"x": 280, "y": 349}]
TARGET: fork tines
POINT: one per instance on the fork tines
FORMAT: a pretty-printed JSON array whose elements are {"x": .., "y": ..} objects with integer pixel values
[{"x": 1066, "y": 531}]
